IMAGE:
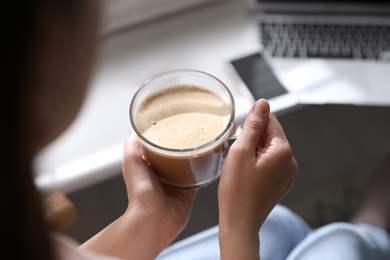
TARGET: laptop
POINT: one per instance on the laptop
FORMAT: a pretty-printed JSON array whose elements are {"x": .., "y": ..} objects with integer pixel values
[{"x": 318, "y": 52}]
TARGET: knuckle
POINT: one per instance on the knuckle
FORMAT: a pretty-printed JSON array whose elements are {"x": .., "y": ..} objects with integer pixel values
[
  {"x": 285, "y": 157},
  {"x": 286, "y": 151},
  {"x": 293, "y": 171},
  {"x": 273, "y": 117},
  {"x": 238, "y": 149},
  {"x": 291, "y": 185},
  {"x": 295, "y": 167}
]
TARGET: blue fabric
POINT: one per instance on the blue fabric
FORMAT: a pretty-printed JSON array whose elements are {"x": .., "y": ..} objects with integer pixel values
[
  {"x": 280, "y": 233},
  {"x": 284, "y": 235},
  {"x": 344, "y": 241}
]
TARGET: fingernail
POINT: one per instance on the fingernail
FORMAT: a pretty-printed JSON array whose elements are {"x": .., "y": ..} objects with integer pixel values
[{"x": 261, "y": 106}]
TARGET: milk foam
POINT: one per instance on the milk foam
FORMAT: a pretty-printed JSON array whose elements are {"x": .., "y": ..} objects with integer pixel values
[{"x": 182, "y": 117}]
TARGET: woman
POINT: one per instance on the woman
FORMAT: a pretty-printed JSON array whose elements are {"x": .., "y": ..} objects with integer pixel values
[{"x": 55, "y": 42}]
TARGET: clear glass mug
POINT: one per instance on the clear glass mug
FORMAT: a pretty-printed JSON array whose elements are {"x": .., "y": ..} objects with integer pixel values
[{"x": 193, "y": 167}]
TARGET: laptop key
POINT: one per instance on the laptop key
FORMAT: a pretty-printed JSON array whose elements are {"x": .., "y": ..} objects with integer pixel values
[
  {"x": 291, "y": 52},
  {"x": 302, "y": 52},
  {"x": 385, "y": 56},
  {"x": 330, "y": 55},
  {"x": 357, "y": 54}
]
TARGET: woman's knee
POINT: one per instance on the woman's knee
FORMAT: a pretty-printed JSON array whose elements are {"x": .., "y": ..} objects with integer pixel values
[{"x": 339, "y": 241}]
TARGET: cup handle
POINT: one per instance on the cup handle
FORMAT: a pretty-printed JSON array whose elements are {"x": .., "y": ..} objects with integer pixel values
[
  {"x": 235, "y": 133},
  {"x": 233, "y": 136}
]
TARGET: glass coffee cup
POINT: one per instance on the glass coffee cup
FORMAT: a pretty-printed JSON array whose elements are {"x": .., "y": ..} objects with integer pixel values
[{"x": 189, "y": 166}]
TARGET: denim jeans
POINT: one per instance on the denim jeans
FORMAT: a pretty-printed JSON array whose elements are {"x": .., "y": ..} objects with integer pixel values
[{"x": 284, "y": 235}]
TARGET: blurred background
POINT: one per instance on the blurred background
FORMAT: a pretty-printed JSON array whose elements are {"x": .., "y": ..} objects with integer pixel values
[{"x": 321, "y": 64}]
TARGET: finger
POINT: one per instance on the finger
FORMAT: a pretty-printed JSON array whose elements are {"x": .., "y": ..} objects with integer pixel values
[
  {"x": 274, "y": 129},
  {"x": 254, "y": 125},
  {"x": 134, "y": 166},
  {"x": 291, "y": 176},
  {"x": 137, "y": 174},
  {"x": 132, "y": 152}
]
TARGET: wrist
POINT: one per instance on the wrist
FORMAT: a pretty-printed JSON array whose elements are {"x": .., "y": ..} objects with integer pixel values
[
  {"x": 238, "y": 241},
  {"x": 147, "y": 227},
  {"x": 134, "y": 235}
]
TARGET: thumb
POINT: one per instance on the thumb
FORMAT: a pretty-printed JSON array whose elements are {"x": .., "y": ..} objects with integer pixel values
[
  {"x": 134, "y": 166},
  {"x": 137, "y": 174},
  {"x": 132, "y": 153},
  {"x": 254, "y": 124}
]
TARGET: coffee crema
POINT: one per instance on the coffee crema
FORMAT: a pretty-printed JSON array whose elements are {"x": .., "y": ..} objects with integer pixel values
[{"x": 182, "y": 117}]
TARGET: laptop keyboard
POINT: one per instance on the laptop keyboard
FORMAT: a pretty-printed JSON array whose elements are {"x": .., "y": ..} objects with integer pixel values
[{"x": 324, "y": 40}]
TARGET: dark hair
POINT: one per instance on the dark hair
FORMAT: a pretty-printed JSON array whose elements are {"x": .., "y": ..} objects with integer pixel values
[{"x": 22, "y": 227}]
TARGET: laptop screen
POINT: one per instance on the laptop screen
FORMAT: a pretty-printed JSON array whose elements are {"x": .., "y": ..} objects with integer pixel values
[{"x": 326, "y": 7}]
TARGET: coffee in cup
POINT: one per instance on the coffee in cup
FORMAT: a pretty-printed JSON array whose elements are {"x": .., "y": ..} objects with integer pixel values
[{"x": 183, "y": 120}]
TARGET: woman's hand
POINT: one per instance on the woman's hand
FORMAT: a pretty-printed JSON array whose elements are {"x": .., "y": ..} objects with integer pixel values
[
  {"x": 259, "y": 170},
  {"x": 170, "y": 206},
  {"x": 156, "y": 213}
]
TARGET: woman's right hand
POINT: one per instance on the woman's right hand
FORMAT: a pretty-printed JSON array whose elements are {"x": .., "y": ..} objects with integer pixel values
[{"x": 259, "y": 170}]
